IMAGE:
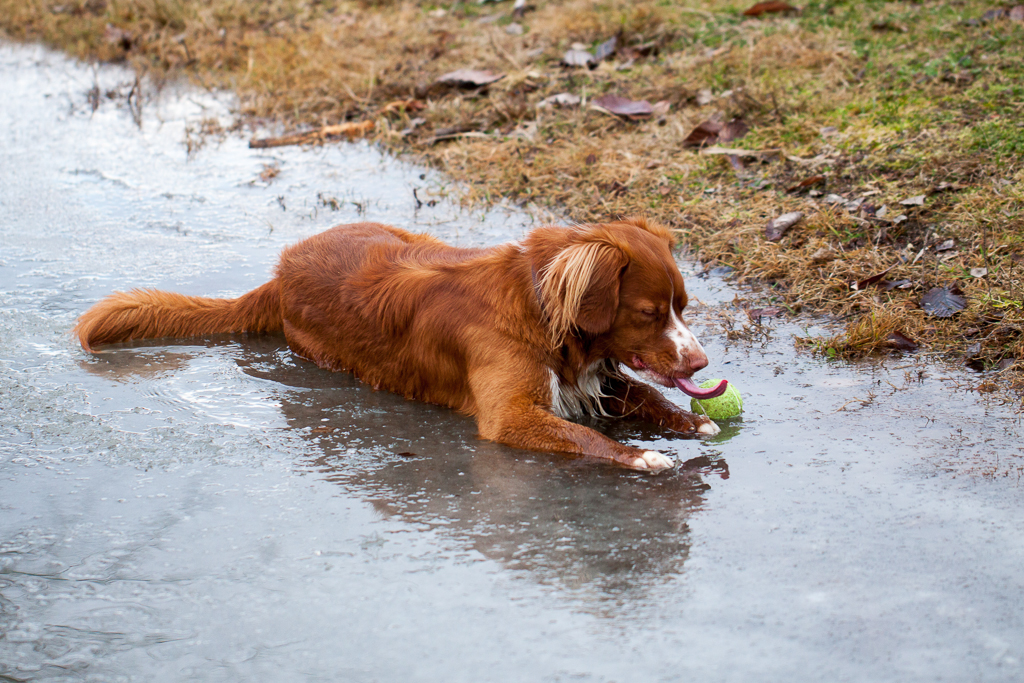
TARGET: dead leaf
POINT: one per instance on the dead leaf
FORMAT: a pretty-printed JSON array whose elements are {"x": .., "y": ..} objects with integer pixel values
[
  {"x": 870, "y": 280},
  {"x": 578, "y": 58},
  {"x": 1017, "y": 13},
  {"x": 704, "y": 134},
  {"x": 269, "y": 172},
  {"x": 660, "y": 108},
  {"x": 917, "y": 200},
  {"x": 901, "y": 341},
  {"x": 712, "y": 132},
  {"x": 733, "y": 130},
  {"x": 562, "y": 99},
  {"x": 403, "y": 105},
  {"x": 770, "y": 7},
  {"x": 470, "y": 78},
  {"x": 887, "y": 25},
  {"x": 755, "y": 314},
  {"x": 822, "y": 255},
  {"x": 605, "y": 49},
  {"x": 979, "y": 272},
  {"x": 735, "y": 162},
  {"x": 943, "y": 302},
  {"x": 777, "y": 227},
  {"x": 890, "y": 285},
  {"x": 807, "y": 182},
  {"x": 622, "y": 106},
  {"x": 705, "y": 96},
  {"x": 946, "y": 187},
  {"x": 946, "y": 246}
]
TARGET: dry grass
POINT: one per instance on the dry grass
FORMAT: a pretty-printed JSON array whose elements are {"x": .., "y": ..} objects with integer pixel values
[{"x": 928, "y": 96}]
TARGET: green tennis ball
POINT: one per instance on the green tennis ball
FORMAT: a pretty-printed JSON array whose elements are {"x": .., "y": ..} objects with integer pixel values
[{"x": 729, "y": 404}]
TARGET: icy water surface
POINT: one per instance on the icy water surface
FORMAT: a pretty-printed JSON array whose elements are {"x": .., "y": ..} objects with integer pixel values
[{"x": 218, "y": 510}]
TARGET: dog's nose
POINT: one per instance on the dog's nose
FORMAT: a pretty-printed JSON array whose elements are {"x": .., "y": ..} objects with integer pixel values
[{"x": 698, "y": 361}]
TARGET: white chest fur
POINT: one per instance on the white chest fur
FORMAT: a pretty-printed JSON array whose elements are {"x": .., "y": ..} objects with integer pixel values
[{"x": 583, "y": 398}]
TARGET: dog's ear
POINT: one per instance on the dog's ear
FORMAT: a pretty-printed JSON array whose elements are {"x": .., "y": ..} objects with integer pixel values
[{"x": 578, "y": 285}]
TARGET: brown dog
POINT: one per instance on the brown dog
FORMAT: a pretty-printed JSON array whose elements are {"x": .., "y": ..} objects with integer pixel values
[{"x": 522, "y": 335}]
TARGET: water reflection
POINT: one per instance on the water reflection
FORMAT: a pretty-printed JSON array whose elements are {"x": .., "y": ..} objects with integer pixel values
[{"x": 571, "y": 524}]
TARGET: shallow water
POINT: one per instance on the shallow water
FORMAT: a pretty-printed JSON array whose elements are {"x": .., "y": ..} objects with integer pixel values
[{"x": 219, "y": 510}]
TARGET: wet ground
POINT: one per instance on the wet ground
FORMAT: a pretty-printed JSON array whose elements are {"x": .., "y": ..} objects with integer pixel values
[{"x": 216, "y": 509}]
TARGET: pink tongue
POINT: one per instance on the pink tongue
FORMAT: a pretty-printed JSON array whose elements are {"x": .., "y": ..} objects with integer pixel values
[{"x": 687, "y": 386}]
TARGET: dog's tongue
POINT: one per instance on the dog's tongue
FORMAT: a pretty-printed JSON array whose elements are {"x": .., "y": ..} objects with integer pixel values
[{"x": 687, "y": 386}]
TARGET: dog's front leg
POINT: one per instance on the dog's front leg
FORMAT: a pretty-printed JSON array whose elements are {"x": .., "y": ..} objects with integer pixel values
[
  {"x": 635, "y": 400},
  {"x": 519, "y": 416}
]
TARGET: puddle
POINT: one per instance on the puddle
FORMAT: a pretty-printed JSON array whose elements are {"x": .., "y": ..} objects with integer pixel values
[{"x": 218, "y": 510}]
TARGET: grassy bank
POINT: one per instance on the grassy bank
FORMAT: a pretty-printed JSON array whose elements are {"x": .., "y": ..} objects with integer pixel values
[{"x": 896, "y": 129}]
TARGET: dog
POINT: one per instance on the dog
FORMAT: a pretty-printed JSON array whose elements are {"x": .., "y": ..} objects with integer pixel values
[{"x": 524, "y": 336}]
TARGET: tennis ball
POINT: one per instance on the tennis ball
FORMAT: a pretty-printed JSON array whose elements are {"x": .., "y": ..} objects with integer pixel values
[{"x": 729, "y": 404}]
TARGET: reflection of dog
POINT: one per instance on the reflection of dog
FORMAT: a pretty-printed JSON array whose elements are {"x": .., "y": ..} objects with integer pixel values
[{"x": 521, "y": 335}]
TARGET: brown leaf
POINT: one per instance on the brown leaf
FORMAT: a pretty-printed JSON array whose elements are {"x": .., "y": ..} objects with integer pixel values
[
  {"x": 901, "y": 341},
  {"x": 622, "y": 106},
  {"x": 269, "y": 172},
  {"x": 712, "y": 132},
  {"x": 470, "y": 78},
  {"x": 807, "y": 182},
  {"x": 704, "y": 134},
  {"x": 733, "y": 130},
  {"x": 778, "y": 227},
  {"x": 770, "y": 7},
  {"x": 870, "y": 280},
  {"x": 943, "y": 302},
  {"x": 756, "y": 314}
]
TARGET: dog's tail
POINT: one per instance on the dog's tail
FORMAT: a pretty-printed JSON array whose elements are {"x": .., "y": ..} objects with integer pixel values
[{"x": 151, "y": 314}]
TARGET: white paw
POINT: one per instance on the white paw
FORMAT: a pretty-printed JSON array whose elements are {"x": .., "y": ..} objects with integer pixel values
[
  {"x": 653, "y": 460},
  {"x": 709, "y": 428}
]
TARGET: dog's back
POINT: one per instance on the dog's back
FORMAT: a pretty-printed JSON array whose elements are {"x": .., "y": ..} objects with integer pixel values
[{"x": 393, "y": 307}]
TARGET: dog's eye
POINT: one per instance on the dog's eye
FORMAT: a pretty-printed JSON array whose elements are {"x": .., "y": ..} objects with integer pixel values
[{"x": 649, "y": 312}]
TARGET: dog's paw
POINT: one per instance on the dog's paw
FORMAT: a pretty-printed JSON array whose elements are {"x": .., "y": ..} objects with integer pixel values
[
  {"x": 708, "y": 428},
  {"x": 653, "y": 460}
]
